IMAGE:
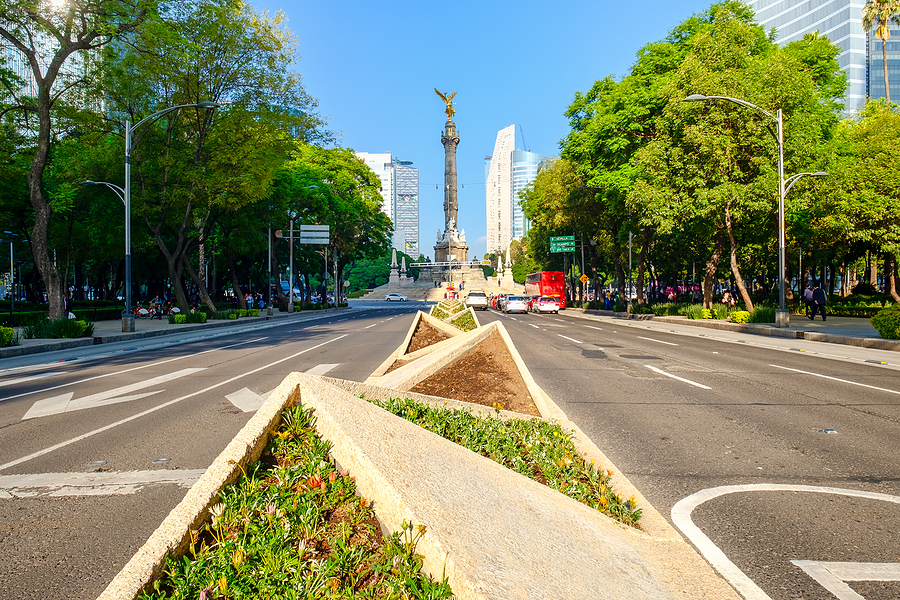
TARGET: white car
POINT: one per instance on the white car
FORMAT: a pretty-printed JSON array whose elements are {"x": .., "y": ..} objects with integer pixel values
[
  {"x": 515, "y": 304},
  {"x": 546, "y": 304},
  {"x": 392, "y": 297}
]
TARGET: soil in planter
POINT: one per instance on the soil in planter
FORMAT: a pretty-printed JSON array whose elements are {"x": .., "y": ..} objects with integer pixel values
[
  {"x": 424, "y": 336},
  {"x": 487, "y": 375}
]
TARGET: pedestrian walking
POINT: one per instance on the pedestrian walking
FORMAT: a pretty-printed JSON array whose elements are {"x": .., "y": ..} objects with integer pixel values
[
  {"x": 819, "y": 300},
  {"x": 808, "y": 298}
]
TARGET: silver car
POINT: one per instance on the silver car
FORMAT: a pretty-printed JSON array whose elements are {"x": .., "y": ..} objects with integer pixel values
[{"x": 515, "y": 304}]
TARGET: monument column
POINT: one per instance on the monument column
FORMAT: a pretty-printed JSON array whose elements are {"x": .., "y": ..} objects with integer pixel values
[{"x": 450, "y": 140}]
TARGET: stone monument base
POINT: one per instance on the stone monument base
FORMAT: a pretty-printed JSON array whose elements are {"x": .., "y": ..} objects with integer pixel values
[{"x": 449, "y": 251}]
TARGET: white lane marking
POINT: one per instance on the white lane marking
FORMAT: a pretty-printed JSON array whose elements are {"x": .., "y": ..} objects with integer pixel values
[
  {"x": 657, "y": 341},
  {"x": 871, "y": 387},
  {"x": 156, "y": 364},
  {"x": 84, "y": 436},
  {"x": 29, "y": 378},
  {"x": 248, "y": 400},
  {"x": 372, "y": 325},
  {"x": 832, "y": 575},
  {"x": 64, "y": 403},
  {"x": 568, "y": 338},
  {"x": 681, "y": 516},
  {"x": 560, "y": 320},
  {"x": 592, "y": 327},
  {"x": 533, "y": 325},
  {"x": 92, "y": 484},
  {"x": 694, "y": 383},
  {"x": 322, "y": 369}
]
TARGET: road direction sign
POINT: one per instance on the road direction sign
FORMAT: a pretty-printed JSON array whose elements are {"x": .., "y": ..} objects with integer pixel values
[
  {"x": 563, "y": 238},
  {"x": 314, "y": 234},
  {"x": 562, "y": 247}
]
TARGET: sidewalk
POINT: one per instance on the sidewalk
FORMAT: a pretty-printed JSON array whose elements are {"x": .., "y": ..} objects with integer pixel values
[
  {"x": 108, "y": 332},
  {"x": 850, "y": 331}
]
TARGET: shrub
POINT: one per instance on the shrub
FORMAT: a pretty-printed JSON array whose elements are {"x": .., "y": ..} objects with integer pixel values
[
  {"x": 887, "y": 322},
  {"x": 739, "y": 316},
  {"x": 252, "y": 312},
  {"x": 706, "y": 313},
  {"x": 8, "y": 337},
  {"x": 692, "y": 311},
  {"x": 864, "y": 288},
  {"x": 196, "y": 317},
  {"x": 63, "y": 328},
  {"x": 225, "y": 314},
  {"x": 762, "y": 314},
  {"x": 639, "y": 309},
  {"x": 178, "y": 319},
  {"x": 464, "y": 321},
  {"x": 241, "y": 312}
]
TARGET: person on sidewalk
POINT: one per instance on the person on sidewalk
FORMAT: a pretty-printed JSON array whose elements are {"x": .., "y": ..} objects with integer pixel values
[
  {"x": 808, "y": 299},
  {"x": 819, "y": 300}
]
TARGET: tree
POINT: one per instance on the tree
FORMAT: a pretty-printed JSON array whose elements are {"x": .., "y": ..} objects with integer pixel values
[
  {"x": 880, "y": 14},
  {"x": 59, "y": 45}
]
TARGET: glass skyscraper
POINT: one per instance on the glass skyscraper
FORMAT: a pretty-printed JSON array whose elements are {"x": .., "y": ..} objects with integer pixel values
[
  {"x": 841, "y": 22},
  {"x": 406, "y": 207}
]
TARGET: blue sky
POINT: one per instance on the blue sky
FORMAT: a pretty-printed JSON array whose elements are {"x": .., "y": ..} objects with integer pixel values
[{"x": 373, "y": 67}]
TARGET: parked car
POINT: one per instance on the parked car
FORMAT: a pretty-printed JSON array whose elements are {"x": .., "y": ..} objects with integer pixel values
[
  {"x": 546, "y": 304},
  {"x": 515, "y": 304},
  {"x": 477, "y": 300},
  {"x": 395, "y": 297}
]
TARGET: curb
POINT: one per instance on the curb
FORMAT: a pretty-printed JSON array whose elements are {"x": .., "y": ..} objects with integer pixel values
[{"x": 55, "y": 345}]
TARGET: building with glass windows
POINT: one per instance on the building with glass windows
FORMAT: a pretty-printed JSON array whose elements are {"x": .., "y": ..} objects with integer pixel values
[
  {"x": 507, "y": 172},
  {"x": 841, "y": 22},
  {"x": 400, "y": 197}
]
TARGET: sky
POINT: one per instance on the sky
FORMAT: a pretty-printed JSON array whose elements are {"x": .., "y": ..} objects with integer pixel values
[{"x": 373, "y": 67}]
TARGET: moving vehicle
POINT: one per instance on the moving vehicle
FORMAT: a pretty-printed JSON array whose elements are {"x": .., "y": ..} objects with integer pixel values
[
  {"x": 515, "y": 304},
  {"x": 477, "y": 300},
  {"x": 546, "y": 304},
  {"x": 547, "y": 283},
  {"x": 395, "y": 297}
]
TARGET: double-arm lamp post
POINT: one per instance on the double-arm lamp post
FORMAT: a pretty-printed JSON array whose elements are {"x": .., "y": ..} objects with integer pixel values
[
  {"x": 782, "y": 315},
  {"x": 125, "y": 196}
]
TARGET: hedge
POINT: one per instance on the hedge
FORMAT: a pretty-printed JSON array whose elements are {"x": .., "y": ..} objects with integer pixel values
[{"x": 887, "y": 322}]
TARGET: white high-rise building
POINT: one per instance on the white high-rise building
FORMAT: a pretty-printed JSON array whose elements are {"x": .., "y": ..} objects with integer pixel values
[
  {"x": 841, "y": 22},
  {"x": 507, "y": 171},
  {"x": 400, "y": 197},
  {"x": 381, "y": 163}
]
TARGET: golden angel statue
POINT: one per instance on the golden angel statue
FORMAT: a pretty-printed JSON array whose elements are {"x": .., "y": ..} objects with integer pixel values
[{"x": 449, "y": 101}]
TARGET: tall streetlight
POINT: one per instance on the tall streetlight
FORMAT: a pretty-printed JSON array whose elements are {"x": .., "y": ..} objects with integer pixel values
[
  {"x": 782, "y": 316},
  {"x": 12, "y": 278},
  {"x": 127, "y": 317}
]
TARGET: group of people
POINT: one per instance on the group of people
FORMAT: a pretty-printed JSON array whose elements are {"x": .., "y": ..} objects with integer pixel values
[{"x": 814, "y": 298}]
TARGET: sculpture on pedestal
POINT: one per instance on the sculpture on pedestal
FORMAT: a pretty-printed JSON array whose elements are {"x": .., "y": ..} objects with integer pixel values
[{"x": 450, "y": 245}]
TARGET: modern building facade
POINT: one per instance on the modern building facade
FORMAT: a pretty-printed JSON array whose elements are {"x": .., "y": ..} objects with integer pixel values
[
  {"x": 507, "y": 172},
  {"x": 841, "y": 22},
  {"x": 406, "y": 207},
  {"x": 400, "y": 197}
]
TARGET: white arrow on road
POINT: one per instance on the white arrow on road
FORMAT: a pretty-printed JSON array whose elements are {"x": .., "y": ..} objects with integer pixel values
[
  {"x": 64, "y": 403},
  {"x": 249, "y": 401}
]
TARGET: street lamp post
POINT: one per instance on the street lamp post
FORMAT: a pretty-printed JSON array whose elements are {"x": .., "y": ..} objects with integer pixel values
[
  {"x": 782, "y": 316},
  {"x": 127, "y": 317},
  {"x": 12, "y": 278}
]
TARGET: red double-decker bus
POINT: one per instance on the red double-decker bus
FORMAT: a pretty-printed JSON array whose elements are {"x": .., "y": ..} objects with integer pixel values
[{"x": 547, "y": 283}]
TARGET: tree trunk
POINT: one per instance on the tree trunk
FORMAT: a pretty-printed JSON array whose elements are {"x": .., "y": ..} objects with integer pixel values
[
  {"x": 738, "y": 280},
  {"x": 40, "y": 250},
  {"x": 712, "y": 266},
  {"x": 890, "y": 272},
  {"x": 235, "y": 286},
  {"x": 204, "y": 295},
  {"x": 873, "y": 270},
  {"x": 887, "y": 88}
]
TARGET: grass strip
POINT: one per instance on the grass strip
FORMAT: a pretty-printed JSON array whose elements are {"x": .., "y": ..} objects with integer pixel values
[
  {"x": 537, "y": 449},
  {"x": 292, "y": 527}
]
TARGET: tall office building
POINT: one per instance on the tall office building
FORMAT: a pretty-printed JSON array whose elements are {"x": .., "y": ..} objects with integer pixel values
[
  {"x": 507, "y": 171},
  {"x": 841, "y": 22},
  {"x": 406, "y": 207},
  {"x": 400, "y": 197}
]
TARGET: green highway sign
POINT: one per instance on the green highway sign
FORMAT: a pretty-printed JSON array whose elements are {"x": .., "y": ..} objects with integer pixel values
[
  {"x": 562, "y": 248},
  {"x": 563, "y": 238}
]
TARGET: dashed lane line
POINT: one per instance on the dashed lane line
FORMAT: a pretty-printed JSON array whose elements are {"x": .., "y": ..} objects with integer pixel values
[
  {"x": 682, "y": 379},
  {"x": 84, "y": 436},
  {"x": 568, "y": 338},
  {"x": 592, "y": 327},
  {"x": 657, "y": 341},
  {"x": 871, "y": 387},
  {"x": 372, "y": 325}
]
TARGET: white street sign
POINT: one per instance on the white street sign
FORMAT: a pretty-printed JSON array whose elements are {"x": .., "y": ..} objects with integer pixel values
[{"x": 64, "y": 402}]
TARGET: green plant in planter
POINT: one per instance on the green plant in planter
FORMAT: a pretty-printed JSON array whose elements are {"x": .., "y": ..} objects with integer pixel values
[
  {"x": 233, "y": 315},
  {"x": 887, "y": 322},
  {"x": 740, "y": 316},
  {"x": 178, "y": 319},
  {"x": 8, "y": 337}
]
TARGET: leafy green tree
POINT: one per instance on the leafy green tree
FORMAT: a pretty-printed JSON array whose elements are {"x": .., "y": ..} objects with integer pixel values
[
  {"x": 879, "y": 15},
  {"x": 49, "y": 39}
]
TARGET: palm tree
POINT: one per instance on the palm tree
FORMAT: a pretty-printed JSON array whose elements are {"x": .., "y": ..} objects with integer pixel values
[{"x": 881, "y": 14}]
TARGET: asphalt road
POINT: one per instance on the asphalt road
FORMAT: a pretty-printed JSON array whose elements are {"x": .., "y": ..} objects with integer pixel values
[
  {"x": 98, "y": 444},
  {"x": 810, "y": 443}
]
